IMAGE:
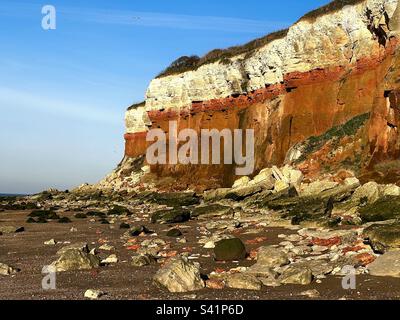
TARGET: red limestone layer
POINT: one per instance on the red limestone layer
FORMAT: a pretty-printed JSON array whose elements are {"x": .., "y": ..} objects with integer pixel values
[{"x": 327, "y": 70}]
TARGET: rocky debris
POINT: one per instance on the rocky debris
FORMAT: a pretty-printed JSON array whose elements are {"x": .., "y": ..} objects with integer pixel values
[
  {"x": 41, "y": 216},
  {"x": 387, "y": 265},
  {"x": 80, "y": 246},
  {"x": 382, "y": 209},
  {"x": 296, "y": 275},
  {"x": 141, "y": 260},
  {"x": 230, "y": 250},
  {"x": 316, "y": 187},
  {"x": 176, "y": 215},
  {"x": 11, "y": 229},
  {"x": 50, "y": 242},
  {"x": 271, "y": 257},
  {"x": 139, "y": 230},
  {"x": 243, "y": 281},
  {"x": 368, "y": 193},
  {"x": 215, "y": 284},
  {"x": 64, "y": 220},
  {"x": 213, "y": 210},
  {"x": 110, "y": 259},
  {"x": 313, "y": 294},
  {"x": 6, "y": 270},
  {"x": 174, "y": 233},
  {"x": 93, "y": 294},
  {"x": 180, "y": 275},
  {"x": 241, "y": 182},
  {"x": 173, "y": 199},
  {"x": 216, "y": 194},
  {"x": 75, "y": 259},
  {"x": 383, "y": 237},
  {"x": 106, "y": 247},
  {"x": 124, "y": 225},
  {"x": 119, "y": 211},
  {"x": 80, "y": 215},
  {"x": 241, "y": 193}
]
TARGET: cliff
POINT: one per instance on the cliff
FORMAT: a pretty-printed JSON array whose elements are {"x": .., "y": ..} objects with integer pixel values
[{"x": 322, "y": 95}]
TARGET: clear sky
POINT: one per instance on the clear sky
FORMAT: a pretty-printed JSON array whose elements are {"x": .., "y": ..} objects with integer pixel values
[{"x": 63, "y": 92}]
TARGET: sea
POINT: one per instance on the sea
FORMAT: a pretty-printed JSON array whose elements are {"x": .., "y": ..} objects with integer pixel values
[{"x": 11, "y": 195}]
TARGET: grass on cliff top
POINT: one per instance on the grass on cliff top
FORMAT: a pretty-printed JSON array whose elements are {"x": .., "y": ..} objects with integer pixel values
[
  {"x": 192, "y": 63},
  {"x": 137, "y": 105}
]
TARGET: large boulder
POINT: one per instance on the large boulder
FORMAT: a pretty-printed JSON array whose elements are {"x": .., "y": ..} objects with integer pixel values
[
  {"x": 176, "y": 215},
  {"x": 241, "y": 182},
  {"x": 75, "y": 259},
  {"x": 241, "y": 193},
  {"x": 179, "y": 275},
  {"x": 6, "y": 270},
  {"x": 230, "y": 250},
  {"x": 383, "y": 237},
  {"x": 265, "y": 177},
  {"x": 11, "y": 229},
  {"x": 385, "y": 208},
  {"x": 387, "y": 265}
]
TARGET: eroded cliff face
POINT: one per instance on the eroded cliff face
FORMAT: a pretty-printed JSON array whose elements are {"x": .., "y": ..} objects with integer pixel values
[{"x": 329, "y": 72}]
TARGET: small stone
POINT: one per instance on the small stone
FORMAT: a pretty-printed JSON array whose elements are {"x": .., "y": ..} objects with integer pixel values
[
  {"x": 93, "y": 294},
  {"x": 73, "y": 229},
  {"x": 6, "y": 270},
  {"x": 141, "y": 260},
  {"x": 124, "y": 225},
  {"x": 230, "y": 250},
  {"x": 215, "y": 284},
  {"x": 209, "y": 245},
  {"x": 106, "y": 247},
  {"x": 51, "y": 242},
  {"x": 311, "y": 293},
  {"x": 174, "y": 233},
  {"x": 110, "y": 259}
]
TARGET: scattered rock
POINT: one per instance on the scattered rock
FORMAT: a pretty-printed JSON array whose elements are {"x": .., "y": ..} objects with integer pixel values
[
  {"x": 215, "y": 195},
  {"x": 81, "y": 246},
  {"x": 180, "y": 275},
  {"x": 387, "y": 265},
  {"x": 313, "y": 294},
  {"x": 106, "y": 247},
  {"x": 230, "y": 250},
  {"x": 213, "y": 210},
  {"x": 174, "y": 199},
  {"x": 136, "y": 231},
  {"x": 11, "y": 229},
  {"x": 243, "y": 281},
  {"x": 315, "y": 188},
  {"x": 51, "y": 242},
  {"x": 141, "y": 260},
  {"x": 271, "y": 257},
  {"x": 80, "y": 215},
  {"x": 174, "y": 233},
  {"x": 64, "y": 220},
  {"x": 75, "y": 259},
  {"x": 124, "y": 225},
  {"x": 118, "y": 211},
  {"x": 6, "y": 270},
  {"x": 296, "y": 275},
  {"x": 170, "y": 216},
  {"x": 93, "y": 294},
  {"x": 110, "y": 259},
  {"x": 215, "y": 284}
]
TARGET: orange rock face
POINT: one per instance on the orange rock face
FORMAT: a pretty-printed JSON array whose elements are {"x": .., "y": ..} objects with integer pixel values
[{"x": 302, "y": 106}]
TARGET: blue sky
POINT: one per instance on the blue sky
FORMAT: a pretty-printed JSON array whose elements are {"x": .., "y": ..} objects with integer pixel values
[{"x": 63, "y": 92}]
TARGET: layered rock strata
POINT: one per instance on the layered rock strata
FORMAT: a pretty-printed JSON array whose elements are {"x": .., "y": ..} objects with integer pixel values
[{"x": 336, "y": 68}]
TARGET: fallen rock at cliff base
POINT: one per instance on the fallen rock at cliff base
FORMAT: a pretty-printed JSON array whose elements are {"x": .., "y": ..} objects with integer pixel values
[
  {"x": 179, "y": 275},
  {"x": 387, "y": 265},
  {"x": 11, "y": 229},
  {"x": 210, "y": 211},
  {"x": 368, "y": 193},
  {"x": 386, "y": 208},
  {"x": 230, "y": 250},
  {"x": 383, "y": 237},
  {"x": 174, "y": 199},
  {"x": 170, "y": 216}
]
